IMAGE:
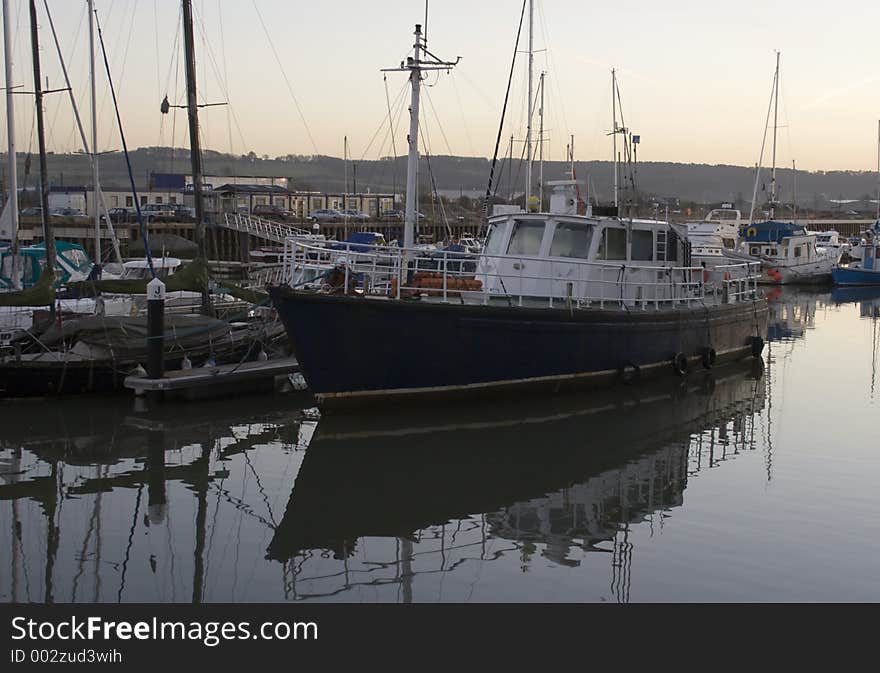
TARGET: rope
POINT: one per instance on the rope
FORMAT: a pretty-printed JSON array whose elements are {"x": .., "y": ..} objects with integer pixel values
[
  {"x": 503, "y": 113},
  {"x": 142, "y": 226}
]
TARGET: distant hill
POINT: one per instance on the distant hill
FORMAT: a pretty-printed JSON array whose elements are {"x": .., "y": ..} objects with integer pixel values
[{"x": 697, "y": 183}]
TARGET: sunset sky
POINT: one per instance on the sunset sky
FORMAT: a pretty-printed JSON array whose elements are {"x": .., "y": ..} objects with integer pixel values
[{"x": 695, "y": 78}]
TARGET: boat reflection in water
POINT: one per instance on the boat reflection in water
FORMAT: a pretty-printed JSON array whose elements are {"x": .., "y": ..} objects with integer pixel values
[
  {"x": 546, "y": 474},
  {"x": 868, "y": 299},
  {"x": 187, "y": 503},
  {"x": 108, "y": 503}
]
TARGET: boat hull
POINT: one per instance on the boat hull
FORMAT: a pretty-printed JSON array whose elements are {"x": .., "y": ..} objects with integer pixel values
[
  {"x": 850, "y": 276},
  {"x": 802, "y": 274},
  {"x": 355, "y": 351}
]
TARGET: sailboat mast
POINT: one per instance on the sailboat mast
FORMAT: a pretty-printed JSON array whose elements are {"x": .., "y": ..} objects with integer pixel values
[
  {"x": 794, "y": 190},
  {"x": 531, "y": 103},
  {"x": 775, "y": 126},
  {"x": 48, "y": 238},
  {"x": 12, "y": 170},
  {"x": 94, "y": 111},
  {"x": 614, "y": 130},
  {"x": 541, "y": 148},
  {"x": 194, "y": 145}
]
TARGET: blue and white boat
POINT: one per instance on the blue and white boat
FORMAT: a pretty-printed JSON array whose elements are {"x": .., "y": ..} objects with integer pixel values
[
  {"x": 788, "y": 253},
  {"x": 863, "y": 272}
]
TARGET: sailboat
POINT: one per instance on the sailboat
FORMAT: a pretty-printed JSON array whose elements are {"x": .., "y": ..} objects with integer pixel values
[
  {"x": 557, "y": 300},
  {"x": 787, "y": 251}
]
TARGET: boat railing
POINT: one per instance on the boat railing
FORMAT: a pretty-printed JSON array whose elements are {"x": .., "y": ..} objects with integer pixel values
[{"x": 396, "y": 272}]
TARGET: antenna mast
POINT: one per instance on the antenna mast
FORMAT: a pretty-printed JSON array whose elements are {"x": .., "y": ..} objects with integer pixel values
[{"x": 415, "y": 65}]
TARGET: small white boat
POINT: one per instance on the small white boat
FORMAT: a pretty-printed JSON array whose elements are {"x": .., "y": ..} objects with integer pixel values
[
  {"x": 831, "y": 243},
  {"x": 715, "y": 234}
]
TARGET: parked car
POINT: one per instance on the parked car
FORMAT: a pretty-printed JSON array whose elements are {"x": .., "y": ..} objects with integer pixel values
[
  {"x": 271, "y": 211},
  {"x": 69, "y": 213},
  {"x": 355, "y": 215},
  {"x": 184, "y": 213},
  {"x": 159, "y": 212},
  {"x": 399, "y": 215},
  {"x": 121, "y": 215},
  {"x": 325, "y": 215}
]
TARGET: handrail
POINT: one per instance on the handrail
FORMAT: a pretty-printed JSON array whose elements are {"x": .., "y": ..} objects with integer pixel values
[
  {"x": 529, "y": 280},
  {"x": 268, "y": 229}
]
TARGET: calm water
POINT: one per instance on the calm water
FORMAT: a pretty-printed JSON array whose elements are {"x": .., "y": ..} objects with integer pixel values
[{"x": 749, "y": 484}]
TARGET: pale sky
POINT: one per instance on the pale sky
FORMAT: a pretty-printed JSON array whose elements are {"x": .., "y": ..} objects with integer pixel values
[{"x": 695, "y": 76}]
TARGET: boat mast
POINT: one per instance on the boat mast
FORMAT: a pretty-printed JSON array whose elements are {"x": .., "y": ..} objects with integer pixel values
[
  {"x": 194, "y": 145},
  {"x": 12, "y": 170},
  {"x": 775, "y": 126},
  {"x": 93, "y": 155},
  {"x": 794, "y": 190},
  {"x": 48, "y": 238},
  {"x": 94, "y": 111},
  {"x": 412, "y": 163},
  {"x": 531, "y": 104},
  {"x": 614, "y": 130},
  {"x": 878, "y": 169},
  {"x": 415, "y": 65},
  {"x": 541, "y": 148}
]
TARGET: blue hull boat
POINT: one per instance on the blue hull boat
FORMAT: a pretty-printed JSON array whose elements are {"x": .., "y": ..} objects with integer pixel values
[{"x": 843, "y": 275}]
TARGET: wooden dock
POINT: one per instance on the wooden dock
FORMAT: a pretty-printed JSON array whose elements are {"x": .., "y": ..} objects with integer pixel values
[{"x": 217, "y": 381}]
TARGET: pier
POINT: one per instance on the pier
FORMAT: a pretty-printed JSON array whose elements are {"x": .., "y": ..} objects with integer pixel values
[{"x": 218, "y": 381}]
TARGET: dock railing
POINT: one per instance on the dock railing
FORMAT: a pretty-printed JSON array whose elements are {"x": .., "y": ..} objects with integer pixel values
[
  {"x": 446, "y": 276},
  {"x": 269, "y": 230}
]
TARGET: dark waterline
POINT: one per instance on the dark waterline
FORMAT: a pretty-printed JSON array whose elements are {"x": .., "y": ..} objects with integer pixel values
[{"x": 753, "y": 482}]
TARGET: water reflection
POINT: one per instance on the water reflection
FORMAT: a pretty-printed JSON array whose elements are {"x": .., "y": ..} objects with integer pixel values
[{"x": 103, "y": 503}]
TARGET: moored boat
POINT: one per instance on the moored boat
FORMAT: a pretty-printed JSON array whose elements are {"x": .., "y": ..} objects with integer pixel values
[
  {"x": 711, "y": 238},
  {"x": 557, "y": 300},
  {"x": 788, "y": 253}
]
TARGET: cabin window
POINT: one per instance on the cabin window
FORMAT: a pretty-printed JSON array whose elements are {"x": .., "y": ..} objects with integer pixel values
[
  {"x": 495, "y": 240},
  {"x": 143, "y": 200},
  {"x": 129, "y": 202},
  {"x": 729, "y": 243},
  {"x": 526, "y": 238},
  {"x": 642, "y": 245},
  {"x": 158, "y": 199},
  {"x": 755, "y": 250},
  {"x": 797, "y": 251},
  {"x": 613, "y": 244},
  {"x": 571, "y": 240},
  {"x": 172, "y": 199}
]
